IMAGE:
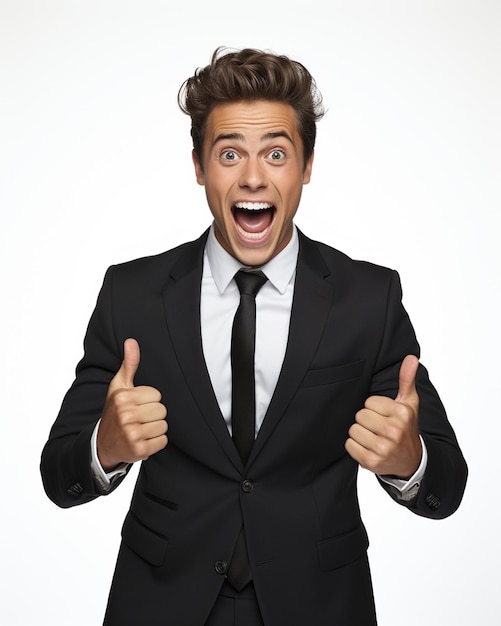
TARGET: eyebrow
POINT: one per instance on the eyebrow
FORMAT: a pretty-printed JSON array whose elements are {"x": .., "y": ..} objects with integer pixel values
[
  {"x": 240, "y": 137},
  {"x": 279, "y": 133}
]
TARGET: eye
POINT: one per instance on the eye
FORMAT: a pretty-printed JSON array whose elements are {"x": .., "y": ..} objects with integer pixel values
[
  {"x": 276, "y": 155},
  {"x": 230, "y": 156}
]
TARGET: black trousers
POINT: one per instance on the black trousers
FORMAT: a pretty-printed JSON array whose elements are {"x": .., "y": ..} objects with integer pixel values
[{"x": 233, "y": 608}]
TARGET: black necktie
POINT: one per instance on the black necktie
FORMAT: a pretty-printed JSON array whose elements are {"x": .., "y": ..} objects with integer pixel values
[
  {"x": 243, "y": 398},
  {"x": 243, "y": 341}
]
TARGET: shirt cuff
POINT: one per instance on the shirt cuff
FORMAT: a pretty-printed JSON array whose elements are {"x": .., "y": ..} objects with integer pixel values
[
  {"x": 103, "y": 479},
  {"x": 407, "y": 489}
]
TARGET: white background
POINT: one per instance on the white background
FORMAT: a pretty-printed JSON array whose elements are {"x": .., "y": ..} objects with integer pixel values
[{"x": 95, "y": 168}]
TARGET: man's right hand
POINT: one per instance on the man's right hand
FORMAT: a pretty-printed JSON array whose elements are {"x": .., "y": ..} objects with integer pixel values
[{"x": 133, "y": 422}]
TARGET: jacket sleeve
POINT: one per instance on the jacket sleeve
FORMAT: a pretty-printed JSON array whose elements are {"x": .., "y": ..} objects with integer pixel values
[
  {"x": 65, "y": 463},
  {"x": 446, "y": 472}
]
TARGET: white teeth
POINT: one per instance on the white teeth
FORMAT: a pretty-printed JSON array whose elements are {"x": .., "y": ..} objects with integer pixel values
[{"x": 253, "y": 206}]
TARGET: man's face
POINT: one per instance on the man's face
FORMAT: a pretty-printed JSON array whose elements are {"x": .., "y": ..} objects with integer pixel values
[{"x": 253, "y": 172}]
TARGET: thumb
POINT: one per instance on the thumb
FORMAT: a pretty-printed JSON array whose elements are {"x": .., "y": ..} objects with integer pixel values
[
  {"x": 407, "y": 379},
  {"x": 125, "y": 375}
]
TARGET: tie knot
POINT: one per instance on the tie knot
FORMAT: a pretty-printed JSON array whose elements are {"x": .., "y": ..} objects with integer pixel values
[{"x": 250, "y": 283}]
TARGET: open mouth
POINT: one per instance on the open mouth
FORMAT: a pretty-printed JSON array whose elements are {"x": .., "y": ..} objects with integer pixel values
[{"x": 253, "y": 219}]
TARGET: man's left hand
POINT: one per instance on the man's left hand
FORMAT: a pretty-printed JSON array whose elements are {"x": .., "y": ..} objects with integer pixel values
[{"x": 385, "y": 436}]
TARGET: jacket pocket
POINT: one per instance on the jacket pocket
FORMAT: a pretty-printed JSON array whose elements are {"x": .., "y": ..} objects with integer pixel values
[
  {"x": 334, "y": 374},
  {"x": 343, "y": 549},
  {"x": 143, "y": 541}
]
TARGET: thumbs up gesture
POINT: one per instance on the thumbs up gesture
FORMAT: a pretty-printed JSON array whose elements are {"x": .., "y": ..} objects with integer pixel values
[
  {"x": 133, "y": 422},
  {"x": 385, "y": 436}
]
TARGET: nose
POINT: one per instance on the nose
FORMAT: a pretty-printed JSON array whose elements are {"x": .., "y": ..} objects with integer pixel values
[{"x": 252, "y": 174}]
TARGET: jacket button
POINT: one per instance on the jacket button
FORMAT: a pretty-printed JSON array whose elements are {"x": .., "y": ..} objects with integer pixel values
[
  {"x": 221, "y": 567},
  {"x": 75, "y": 490},
  {"x": 432, "y": 501},
  {"x": 247, "y": 486}
]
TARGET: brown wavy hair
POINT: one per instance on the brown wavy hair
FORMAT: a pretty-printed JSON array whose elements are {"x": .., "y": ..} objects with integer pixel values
[{"x": 251, "y": 74}]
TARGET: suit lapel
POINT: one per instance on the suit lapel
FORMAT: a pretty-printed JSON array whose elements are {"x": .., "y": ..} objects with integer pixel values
[
  {"x": 181, "y": 298},
  {"x": 313, "y": 297}
]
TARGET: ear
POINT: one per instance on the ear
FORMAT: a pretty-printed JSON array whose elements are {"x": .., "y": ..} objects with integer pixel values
[
  {"x": 307, "y": 169},
  {"x": 199, "y": 172}
]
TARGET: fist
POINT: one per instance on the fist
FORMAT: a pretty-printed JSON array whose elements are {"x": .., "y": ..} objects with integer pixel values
[
  {"x": 385, "y": 436},
  {"x": 133, "y": 425}
]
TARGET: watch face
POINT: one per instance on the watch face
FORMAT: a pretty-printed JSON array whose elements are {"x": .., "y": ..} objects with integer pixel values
[{"x": 411, "y": 492}]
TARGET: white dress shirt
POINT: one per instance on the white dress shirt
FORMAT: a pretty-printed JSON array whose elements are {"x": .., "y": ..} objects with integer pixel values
[{"x": 219, "y": 301}]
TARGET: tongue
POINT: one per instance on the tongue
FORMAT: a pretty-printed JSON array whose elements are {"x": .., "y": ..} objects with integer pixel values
[{"x": 253, "y": 221}]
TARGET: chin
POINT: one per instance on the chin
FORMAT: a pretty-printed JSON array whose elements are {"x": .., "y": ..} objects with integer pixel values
[{"x": 253, "y": 258}]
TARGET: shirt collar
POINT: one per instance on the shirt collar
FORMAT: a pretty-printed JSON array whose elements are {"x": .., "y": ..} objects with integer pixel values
[{"x": 279, "y": 270}]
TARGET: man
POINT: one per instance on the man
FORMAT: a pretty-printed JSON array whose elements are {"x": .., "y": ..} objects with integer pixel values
[{"x": 218, "y": 533}]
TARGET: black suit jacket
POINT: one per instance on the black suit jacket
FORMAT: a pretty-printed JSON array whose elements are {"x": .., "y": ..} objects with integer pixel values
[{"x": 297, "y": 494}]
